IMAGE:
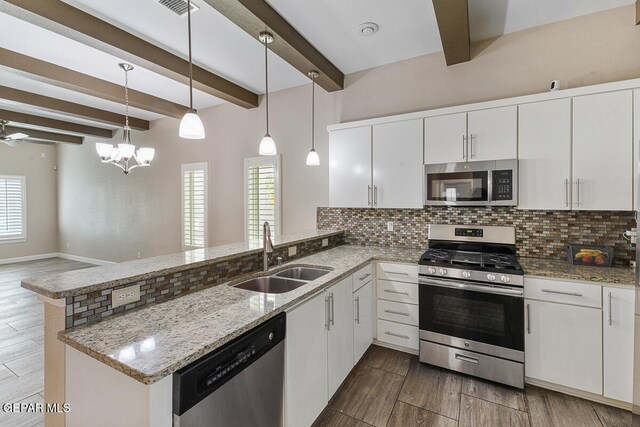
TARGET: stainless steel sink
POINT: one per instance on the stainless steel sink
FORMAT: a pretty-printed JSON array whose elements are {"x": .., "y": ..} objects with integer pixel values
[
  {"x": 270, "y": 284},
  {"x": 303, "y": 273}
]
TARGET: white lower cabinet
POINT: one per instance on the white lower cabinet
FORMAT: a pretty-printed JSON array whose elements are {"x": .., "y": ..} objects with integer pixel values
[
  {"x": 563, "y": 345},
  {"x": 364, "y": 310},
  {"x": 306, "y": 376},
  {"x": 340, "y": 336},
  {"x": 617, "y": 323}
]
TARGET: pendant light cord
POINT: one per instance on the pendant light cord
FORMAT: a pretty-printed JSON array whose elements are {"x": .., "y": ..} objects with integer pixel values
[
  {"x": 313, "y": 112},
  {"x": 266, "y": 80},
  {"x": 126, "y": 97},
  {"x": 190, "y": 60}
]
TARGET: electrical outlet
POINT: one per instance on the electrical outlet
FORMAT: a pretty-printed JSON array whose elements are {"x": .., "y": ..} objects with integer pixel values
[
  {"x": 139, "y": 255},
  {"x": 325, "y": 243},
  {"x": 125, "y": 296},
  {"x": 293, "y": 250},
  {"x": 389, "y": 225},
  {"x": 68, "y": 245}
]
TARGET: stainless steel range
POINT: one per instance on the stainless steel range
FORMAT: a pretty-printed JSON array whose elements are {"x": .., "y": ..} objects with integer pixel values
[{"x": 472, "y": 302}]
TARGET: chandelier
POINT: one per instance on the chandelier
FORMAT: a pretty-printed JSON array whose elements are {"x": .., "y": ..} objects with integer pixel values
[{"x": 125, "y": 152}]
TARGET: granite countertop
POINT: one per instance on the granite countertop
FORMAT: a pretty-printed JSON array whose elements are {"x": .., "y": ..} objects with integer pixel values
[
  {"x": 150, "y": 343},
  {"x": 559, "y": 269},
  {"x": 80, "y": 282}
]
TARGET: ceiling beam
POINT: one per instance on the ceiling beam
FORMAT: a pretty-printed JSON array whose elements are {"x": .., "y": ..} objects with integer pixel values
[
  {"x": 70, "y": 108},
  {"x": 453, "y": 24},
  {"x": 56, "y": 75},
  {"x": 64, "y": 19},
  {"x": 39, "y": 135},
  {"x": 255, "y": 16},
  {"x": 17, "y": 118}
]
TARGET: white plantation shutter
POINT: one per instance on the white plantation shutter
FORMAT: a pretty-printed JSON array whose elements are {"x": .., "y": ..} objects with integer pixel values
[
  {"x": 262, "y": 195},
  {"x": 194, "y": 205},
  {"x": 13, "y": 210}
]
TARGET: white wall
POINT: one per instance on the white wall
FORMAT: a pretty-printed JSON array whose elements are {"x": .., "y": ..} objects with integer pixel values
[
  {"x": 42, "y": 215},
  {"x": 105, "y": 215}
]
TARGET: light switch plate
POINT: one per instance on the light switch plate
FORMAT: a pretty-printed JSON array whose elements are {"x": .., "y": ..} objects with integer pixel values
[
  {"x": 325, "y": 243},
  {"x": 125, "y": 296},
  {"x": 293, "y": 250},
  {"x": 389, "y": 225}
]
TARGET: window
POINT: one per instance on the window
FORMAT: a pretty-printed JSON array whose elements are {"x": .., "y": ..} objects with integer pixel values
[
  {"x": 194, "y": 206},
  {"x": 262, "y": 195},
  {"x": 13, "y": 210}
]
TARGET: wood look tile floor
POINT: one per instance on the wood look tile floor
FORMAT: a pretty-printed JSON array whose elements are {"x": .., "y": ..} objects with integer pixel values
[
  {"x": 21, "y": 337},
  {"x": 389, "y": 388}
]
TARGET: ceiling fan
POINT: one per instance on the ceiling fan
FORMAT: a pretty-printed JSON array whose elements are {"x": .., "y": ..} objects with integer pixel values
[{"x": 13, "y": 139}]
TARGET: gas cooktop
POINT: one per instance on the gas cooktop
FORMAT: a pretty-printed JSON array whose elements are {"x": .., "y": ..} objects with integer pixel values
[{"x": 479, "y": 261}]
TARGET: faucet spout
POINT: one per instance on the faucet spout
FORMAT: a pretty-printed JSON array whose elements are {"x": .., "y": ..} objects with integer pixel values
[{"x": 267, "y": 245}]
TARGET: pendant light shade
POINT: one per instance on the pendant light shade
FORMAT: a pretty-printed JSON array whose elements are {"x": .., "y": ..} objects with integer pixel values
[
  {"x": 191, "y": 126},
  {"x": 312, "y": 158},
  {"x": 267, "y": 144}
]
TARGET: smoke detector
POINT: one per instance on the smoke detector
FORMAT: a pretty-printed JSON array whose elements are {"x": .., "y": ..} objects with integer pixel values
[
  {"x": 368, "y": 29},
  {"x": 179, "y": 7}
]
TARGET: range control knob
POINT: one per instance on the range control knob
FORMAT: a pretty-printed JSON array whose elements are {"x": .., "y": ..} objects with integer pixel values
[
  {"x": 491, "y": 277},
  {"x": 443, "y": 271},
  {"x": 466, "y": 274},
  {"x": 504, "y": 279},
  {"x": 431, "y": 270}
]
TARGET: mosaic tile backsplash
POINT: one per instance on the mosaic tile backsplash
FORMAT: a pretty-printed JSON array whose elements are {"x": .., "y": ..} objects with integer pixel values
[
  {"x": 95, "y": 306},
  {"x": 541, "y": 234}
]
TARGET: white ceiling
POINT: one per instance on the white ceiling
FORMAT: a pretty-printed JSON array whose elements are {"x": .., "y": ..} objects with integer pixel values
[{"x": 407, "y": 29}]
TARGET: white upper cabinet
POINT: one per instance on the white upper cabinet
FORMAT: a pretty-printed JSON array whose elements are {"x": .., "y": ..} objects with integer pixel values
[
  {"x": 492, "y": 134},
  {"x": 636, "y": 145},
  {"x": 603, "y": 151},
  {"x": 545, "y": 155},
  {"x": 350, "y": 183},
  {"x": 397, "y": 164},
  {"x": 617, "y": 321},
  {"x": 445, "y": 139}
]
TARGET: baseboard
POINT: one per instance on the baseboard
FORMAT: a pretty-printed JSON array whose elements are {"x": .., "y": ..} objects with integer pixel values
[
  {"x": 84, "y": 259},
  {"x": 579, "y": 393},
  {"x": 28, "y": 258},
  {"x": 395, "y": 347},
  {"x": 55, "y": 255}
]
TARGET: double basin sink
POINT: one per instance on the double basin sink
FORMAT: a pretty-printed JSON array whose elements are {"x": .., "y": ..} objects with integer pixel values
[{"x": 284, "y": 281}]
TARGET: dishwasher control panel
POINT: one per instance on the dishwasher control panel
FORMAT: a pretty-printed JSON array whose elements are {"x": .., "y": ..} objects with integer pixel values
[{"x": 196, "y": 381}]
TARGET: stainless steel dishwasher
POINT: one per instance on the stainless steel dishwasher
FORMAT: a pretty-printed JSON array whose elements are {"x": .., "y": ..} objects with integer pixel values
[{"x": 240, "y": 384}]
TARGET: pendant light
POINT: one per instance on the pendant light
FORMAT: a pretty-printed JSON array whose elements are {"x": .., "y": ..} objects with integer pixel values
[
  {"x": 312, "y": 158},
  {"x": 122, "y": 155},
  {"x": 191, "y": 126},
  {"x": 267, "y": 145}
]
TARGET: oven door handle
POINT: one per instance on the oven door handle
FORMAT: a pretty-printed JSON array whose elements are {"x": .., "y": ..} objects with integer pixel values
[{"x": 500, "y": 290}]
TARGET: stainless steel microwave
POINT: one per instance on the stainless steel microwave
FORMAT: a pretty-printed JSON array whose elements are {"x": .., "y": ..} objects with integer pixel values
[{"x": 488, "y": 183}]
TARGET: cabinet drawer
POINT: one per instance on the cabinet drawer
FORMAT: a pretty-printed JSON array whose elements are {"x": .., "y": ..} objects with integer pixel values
[
  {"x": 362, "y": 277},
  {"x": 398, "y": 272},
  {"x": 398, "y": 334},
  {"x": 573, "y": 293},
  {"x": 397, "y": 291},
  {"x": 398, "y": 312}
]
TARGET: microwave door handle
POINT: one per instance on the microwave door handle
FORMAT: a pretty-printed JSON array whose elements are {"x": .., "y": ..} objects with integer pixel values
[{"x": 490, "y": 186}]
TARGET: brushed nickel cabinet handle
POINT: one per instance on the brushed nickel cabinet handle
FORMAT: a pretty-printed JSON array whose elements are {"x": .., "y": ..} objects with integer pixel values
[
  {"x": 399, "y": 313},
  {"x": 610, "y": 314},
  {"x": 327, "y": 314},
  {"x": 333, "y": 312},
  {"x": 375, "y": 195},
  {"x": 406, "y": 337},
  {"x": 464, "y": 143},
  {"x": 358, "y": 310},
  {"x": 471, "y": 138},
  {"x": 391, "y": 291},
  {"x": 368, "y": 195},
  {"x": 528, "y": 319},
  {"x": 578, "y": 192},
  {"x": 399, "y": 273},
  {"x": 571, "y": 294},
  {"x": 364, "y": 277},
  {"x": 566, "y": 192}
]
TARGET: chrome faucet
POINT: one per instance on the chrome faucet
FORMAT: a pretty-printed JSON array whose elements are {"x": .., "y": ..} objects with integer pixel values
[{"x": 267, "y": 245}]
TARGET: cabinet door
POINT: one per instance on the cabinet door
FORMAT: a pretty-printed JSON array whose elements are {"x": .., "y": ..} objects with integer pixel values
[
  {"x": 493, "y": 134},
  {"x": 618, "y": 320},
  {"x": 363, "y": 320},
  {"x": 397, "y": 164},
  {"x": 603, "y": 151},
  {"x": 350, "y": 168},
  {"x": 636, "y": 146},
  {"x": 340, "y": 333},
  {"x": 563, "y": 345},
  {"x": 545, "y": 155},
  {"x": 445, "y": 138},
  {"x": 306, "y": 362}
]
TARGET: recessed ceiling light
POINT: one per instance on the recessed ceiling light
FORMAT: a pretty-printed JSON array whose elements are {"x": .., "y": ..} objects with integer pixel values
[{"x": 368, "y": 29}]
